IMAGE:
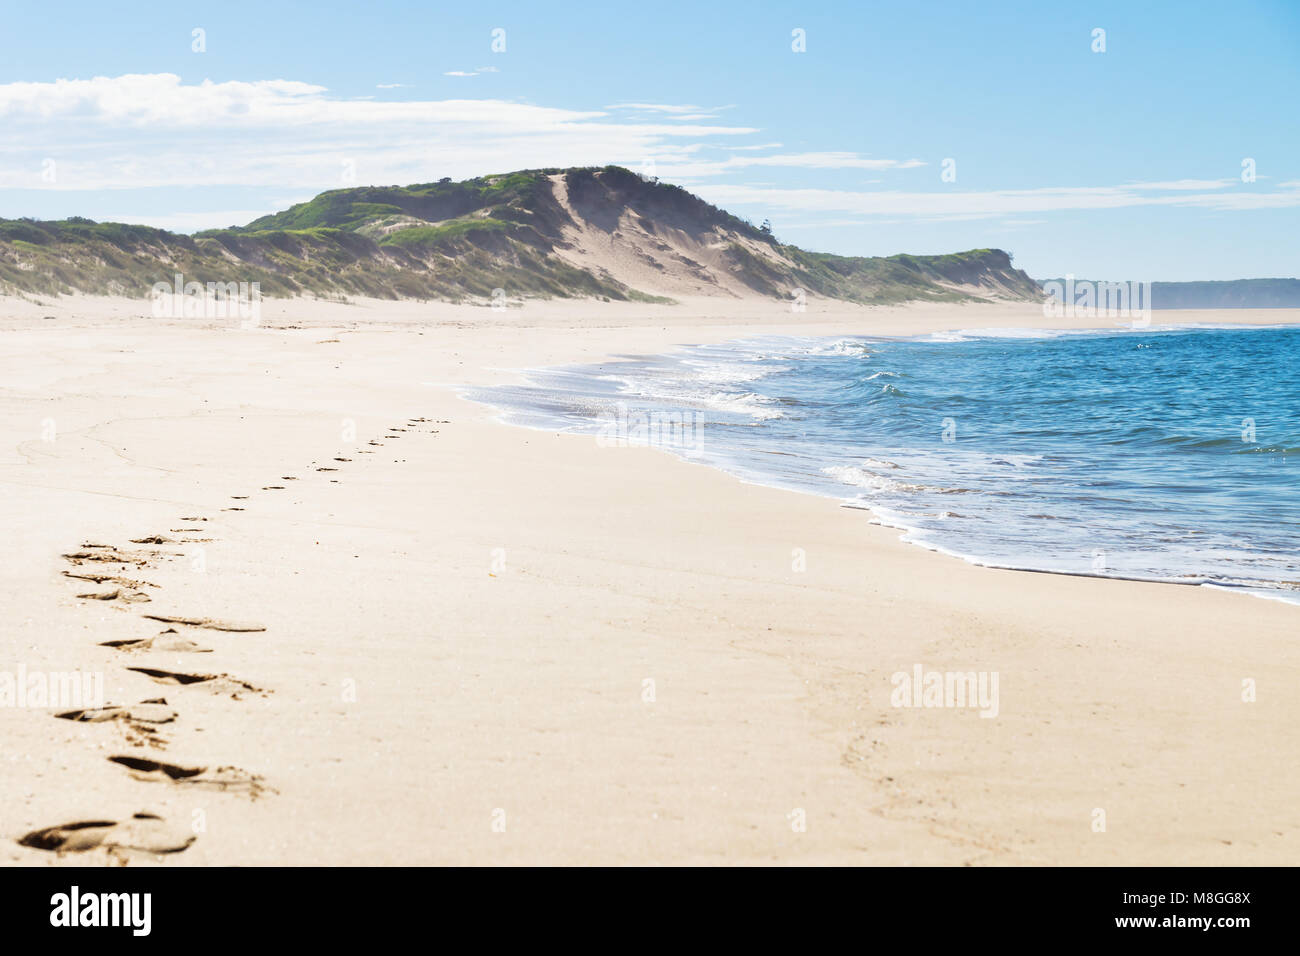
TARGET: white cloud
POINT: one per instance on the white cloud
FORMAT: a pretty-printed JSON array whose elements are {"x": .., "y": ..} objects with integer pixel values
[
  {"x": 142, "y": 100},
  {"x": 694, "y": 168},
  {"x": 669, "y": 108},
  {"x": 953, "y": 204},
  {"x": 831, "y": 160},
  {"x": 752, "y": 147},
  {"x": 155, "y": 131},
  {"x": 1189, "y": 184},
  {"x": 192, "y": 221}
]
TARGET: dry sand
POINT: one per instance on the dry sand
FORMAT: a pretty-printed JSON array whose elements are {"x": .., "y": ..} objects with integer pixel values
[{"x": 461, "y": 619}]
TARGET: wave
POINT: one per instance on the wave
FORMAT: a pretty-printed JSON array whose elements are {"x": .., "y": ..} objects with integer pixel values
[{"x": 1062, "y": 445}]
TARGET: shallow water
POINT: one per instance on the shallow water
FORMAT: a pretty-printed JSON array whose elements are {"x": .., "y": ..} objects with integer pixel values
[{"x": 1164, "y": 453}]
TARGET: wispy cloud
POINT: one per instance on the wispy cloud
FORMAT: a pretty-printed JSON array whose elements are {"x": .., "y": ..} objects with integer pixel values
[
  {"x": 193, "y": 221},
  {"x": 666, "y": 108},
  {"x": 673, "y": 111},
  {"x": 155, "y": 131},
  {"x": 1189, "y": 184},
  {"x": 824, "y": 160},
  {"x": 943, "y": 204},
  {"x": 750, "y": 146}
]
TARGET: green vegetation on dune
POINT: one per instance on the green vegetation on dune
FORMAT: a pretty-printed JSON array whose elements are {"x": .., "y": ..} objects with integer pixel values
[
  {"x": 902, "y": 278},
  {"x": 428, "y": 235},
  {"x": 430, "y": 202},
  {"x": 455, "y": 240}
]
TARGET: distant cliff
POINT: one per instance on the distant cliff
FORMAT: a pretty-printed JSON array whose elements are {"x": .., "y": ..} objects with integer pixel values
[{"x": 1231, "y": 294}]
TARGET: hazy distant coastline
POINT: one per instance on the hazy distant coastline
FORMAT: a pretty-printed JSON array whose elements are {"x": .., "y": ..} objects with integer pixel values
[{"x": 1230, "y": 294}]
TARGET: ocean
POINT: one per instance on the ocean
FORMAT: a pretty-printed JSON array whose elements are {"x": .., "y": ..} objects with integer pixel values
[{"x": 1166, "y": 453}]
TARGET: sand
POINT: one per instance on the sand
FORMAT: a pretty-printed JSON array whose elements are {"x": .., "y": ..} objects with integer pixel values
[{"x": 437, "y": 639}]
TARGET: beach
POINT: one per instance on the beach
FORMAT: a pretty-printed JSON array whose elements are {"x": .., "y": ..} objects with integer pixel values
[{"x": 420, "y": 636}]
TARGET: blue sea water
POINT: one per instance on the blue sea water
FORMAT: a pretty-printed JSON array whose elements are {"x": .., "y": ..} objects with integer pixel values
[{"x": 1169, "y": 454}]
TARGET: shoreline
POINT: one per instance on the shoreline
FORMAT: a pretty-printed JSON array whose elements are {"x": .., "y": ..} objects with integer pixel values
[
  {"x": 517, "y": 415},
  {"x": 904, "y": 530},
  {"x": 516, "y": 681}
]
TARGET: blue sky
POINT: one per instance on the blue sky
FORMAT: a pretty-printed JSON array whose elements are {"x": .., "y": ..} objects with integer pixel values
[{"x": 1123, "y": 164}]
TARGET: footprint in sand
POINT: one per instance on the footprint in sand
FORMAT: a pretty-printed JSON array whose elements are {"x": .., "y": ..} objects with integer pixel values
[
  {"x": 152, "y": 711},
  {"x": 128, "y": 583},
  {"x": 104, "y": 554},
  {"x": 168, "y": 641},
  {"x": 214, "y": 778},
  {"x": 207, "y": 622},
  {"x": 144, "y": 832},
  {"x": 117, "y": 594},
  {"x": 214, "y": 683},
  {"x": 140, "y": 722},
  {"x": 111, "y": 554}
]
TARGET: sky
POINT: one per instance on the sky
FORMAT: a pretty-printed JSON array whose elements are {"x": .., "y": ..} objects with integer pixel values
[{"x": 1165, "y": 148}]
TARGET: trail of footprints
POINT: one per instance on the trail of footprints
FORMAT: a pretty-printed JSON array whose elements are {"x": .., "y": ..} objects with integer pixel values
[{"x": 143, "y": 724}]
